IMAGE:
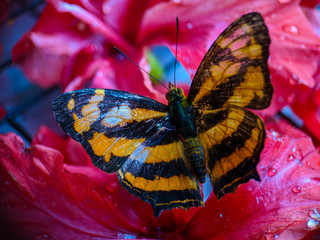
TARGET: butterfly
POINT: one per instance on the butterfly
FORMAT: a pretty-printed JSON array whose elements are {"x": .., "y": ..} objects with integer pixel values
[{"x": 162, "y": 153}]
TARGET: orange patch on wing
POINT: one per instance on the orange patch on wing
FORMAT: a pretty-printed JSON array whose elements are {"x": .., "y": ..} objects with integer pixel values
[
  {"x": 181, "y": 182},
  {"x": 252, "y": 86},
  {"x": 90, "y": 113},
  {"x": 120, "y": 147}
]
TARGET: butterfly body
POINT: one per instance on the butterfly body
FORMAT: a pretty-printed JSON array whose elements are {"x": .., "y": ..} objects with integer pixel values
[
  {"x": 182, "y": 116},
  {"x": 160, "y": 152}
]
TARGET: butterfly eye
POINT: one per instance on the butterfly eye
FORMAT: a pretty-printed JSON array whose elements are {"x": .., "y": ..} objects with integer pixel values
[
  {"x": 168, "y": 95},
  {"x": 180, "y": 91}
]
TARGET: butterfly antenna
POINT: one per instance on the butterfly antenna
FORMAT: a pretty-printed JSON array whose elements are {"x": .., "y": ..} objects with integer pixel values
[
  {"x": 119, "y": 51},
  {"x": 176, "y": 57}
]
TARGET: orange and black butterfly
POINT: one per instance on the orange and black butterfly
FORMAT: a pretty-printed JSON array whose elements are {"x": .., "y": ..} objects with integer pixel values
[{"x": 161, "y": 153}]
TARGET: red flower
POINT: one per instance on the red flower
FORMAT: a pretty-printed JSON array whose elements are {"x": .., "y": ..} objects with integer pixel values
[
  {"x": 56, "y": 196},
  {"x": 52, "y": 190}
]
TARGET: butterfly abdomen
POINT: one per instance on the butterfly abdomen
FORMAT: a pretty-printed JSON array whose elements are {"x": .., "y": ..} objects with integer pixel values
[{"x": 194, "y": 152}]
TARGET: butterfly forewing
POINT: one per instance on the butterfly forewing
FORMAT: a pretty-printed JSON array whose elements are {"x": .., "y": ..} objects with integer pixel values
[
  {"x": 233, "y": 76},
  {"x": 132, "y": 135},
  {"x": 234, "y": 71}
]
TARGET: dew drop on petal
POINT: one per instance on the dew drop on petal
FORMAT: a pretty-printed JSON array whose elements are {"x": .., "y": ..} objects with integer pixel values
[
  {"x": 270, "y": 236},
  {"x": 314, "y": 213},
  {"x": 221, "y": 215},
  {"x": 296, "y": 189},
  {"x": 189, "y": 25},
  {"x": 313, "y": 224},
  {"x": 109, "y": 200},
  {"x": 282, "y": 37},
  {"x": 177, "y": 1},
  {"x": 81, "y": 26},
  {"x": 290, "y": 158},
  {"x": 293, "y": 79},
  {"x": 145, "y": 229},
  {"x": 290, "y": 29},
  {"x": 112, "y": 187},
  {"x": 272, "y": 172}
]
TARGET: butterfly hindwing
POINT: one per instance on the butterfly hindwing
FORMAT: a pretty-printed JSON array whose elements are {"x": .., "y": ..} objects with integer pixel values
[
  {"x": 233, "y": 140},
  {"x": 158, "y": 174},
  {"x": 132, "y": 135},
  {"x": 234, "y": 71}
]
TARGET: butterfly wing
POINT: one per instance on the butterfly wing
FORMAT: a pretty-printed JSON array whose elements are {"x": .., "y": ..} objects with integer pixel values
[
  {"x": 132, "y": 135},
  {"x": 235, "y": 71},
  {"x": 233, "y": 139},
  {"x": 158, "y": 174},
  {"x": 233, "y": 76}
]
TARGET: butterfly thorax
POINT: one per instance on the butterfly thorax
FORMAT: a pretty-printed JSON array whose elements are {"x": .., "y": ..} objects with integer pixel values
[{"x": 183, "y": 118}]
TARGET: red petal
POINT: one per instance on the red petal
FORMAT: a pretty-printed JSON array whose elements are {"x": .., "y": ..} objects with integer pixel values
[
  {"x": 72, "y": 150},
  {"x": 40, "y": 192}
]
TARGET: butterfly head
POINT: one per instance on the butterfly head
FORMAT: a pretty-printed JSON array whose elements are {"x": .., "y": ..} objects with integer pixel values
[{"x": 175, "y": 94}]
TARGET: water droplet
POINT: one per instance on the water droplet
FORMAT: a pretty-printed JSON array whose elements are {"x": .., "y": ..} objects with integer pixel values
[
  {"x": 314, "y": 213},
  {"x": 290, "y": 158},
  {"x": 81, "y": 26},
  {"x": 313, "y": 224},
  {"x": 145, "y": 229},
  {"x": 177, "y": 1},
  {"x": 284, "y": 1},
  {"x": 42, "y": 236},
  {"x": 221, "y": 215},
  {"x": 269, "y": 236},
  {"x": 280, "y": 67},
  {"x": 111, "y": 203},
  {"x": 272, "y": 172},
  {"x": 291, "y": 29},
  {"x": 293, "y": 79},
  {"x": 189, "y": 25},
  {"x": 296, "y": 189},
  {"x": 112, "y": 187},
  {"x": 282, "y": 37}
]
